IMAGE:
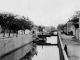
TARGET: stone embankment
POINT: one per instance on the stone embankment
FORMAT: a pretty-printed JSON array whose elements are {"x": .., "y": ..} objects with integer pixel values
[{"x": 9, "y": 44}]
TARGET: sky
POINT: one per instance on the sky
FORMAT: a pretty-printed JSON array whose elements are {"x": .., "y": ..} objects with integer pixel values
[{"x": 42, "y": 12}]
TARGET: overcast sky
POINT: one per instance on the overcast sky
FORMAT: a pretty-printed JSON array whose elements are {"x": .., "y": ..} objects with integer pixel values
[{"x": 42, "y": 12}]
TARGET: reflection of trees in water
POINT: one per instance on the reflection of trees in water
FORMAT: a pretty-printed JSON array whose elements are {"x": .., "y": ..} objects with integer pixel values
[{"x": 30, "y": 54}]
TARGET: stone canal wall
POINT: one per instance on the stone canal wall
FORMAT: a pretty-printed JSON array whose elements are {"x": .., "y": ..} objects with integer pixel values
[
  {"x": 11, "y": 44},
  {"x": 63, "y": 55}
]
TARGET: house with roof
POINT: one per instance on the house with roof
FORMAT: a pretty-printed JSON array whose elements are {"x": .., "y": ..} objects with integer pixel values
[{"x": 73, "y": 27}]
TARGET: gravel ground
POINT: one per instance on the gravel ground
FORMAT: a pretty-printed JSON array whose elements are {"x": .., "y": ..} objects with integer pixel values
[{"x": 73, "y": 47}]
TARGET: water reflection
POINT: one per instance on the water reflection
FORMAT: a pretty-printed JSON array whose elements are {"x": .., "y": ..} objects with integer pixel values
[
  {"x": 47, "y": 53},
  {"x": 35, "y": 48},
  {"x": 19, "y": 53},
  {"x": 43, "y": 51},
  {"x": 48, "y": 50},
  {"x": 31, "y": 53}
]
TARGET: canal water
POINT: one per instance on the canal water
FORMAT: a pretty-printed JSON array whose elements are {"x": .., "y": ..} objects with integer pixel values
[
  {"x": 32, "y": 51},
  {"x": 47, "y": 52}
]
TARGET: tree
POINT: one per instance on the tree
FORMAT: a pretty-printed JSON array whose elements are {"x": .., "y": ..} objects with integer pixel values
[
  {"x": 40, "y": 28},
  {"x": 61, "y": 27},
  {"x": 75, "y": 17},
  {"x": 10, "y": 22},
  {"x": 5, "y": 21}
]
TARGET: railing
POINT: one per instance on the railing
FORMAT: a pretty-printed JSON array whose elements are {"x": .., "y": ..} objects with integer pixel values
[{"x": 62, "y": 53}]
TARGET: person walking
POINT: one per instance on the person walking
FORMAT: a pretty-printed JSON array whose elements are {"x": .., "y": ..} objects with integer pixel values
[{"x": 65, "y": 48}]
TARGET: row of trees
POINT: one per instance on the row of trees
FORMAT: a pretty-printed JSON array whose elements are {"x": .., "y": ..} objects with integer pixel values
[
  {"x": 9, "y": 21},
  {"x": 61, "y": 26},
  {"x": 74, "y": 19}
]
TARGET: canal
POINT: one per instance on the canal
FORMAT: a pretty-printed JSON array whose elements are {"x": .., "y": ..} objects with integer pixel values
[
  {"x": 32, "y": 51},
  {"x": 48, "y": 52}
]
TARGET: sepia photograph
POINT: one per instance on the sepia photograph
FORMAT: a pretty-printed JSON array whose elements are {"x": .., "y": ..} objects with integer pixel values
[{"x": 39, "y": 29}]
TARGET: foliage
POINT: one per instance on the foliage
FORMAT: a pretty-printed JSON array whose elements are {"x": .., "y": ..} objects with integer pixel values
[
  {"x": 61, "y": 26},
  {"x": 40, "y": 28},
  {"x": 11, "y": 22},
  {"x": 75, "y": 17}
]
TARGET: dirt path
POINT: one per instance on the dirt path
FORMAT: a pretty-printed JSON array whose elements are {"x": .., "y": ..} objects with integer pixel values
[{"x": 73, "y": 47}]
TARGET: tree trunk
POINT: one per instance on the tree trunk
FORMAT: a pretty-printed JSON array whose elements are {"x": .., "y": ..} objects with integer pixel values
[
  {"x": 16, "y": 33},
  {"x": 4, "y": 33},
  {"x": 24, "y": 31},
  {"x": 9, "y": 33},
  {"x": 13, "y": 32}
]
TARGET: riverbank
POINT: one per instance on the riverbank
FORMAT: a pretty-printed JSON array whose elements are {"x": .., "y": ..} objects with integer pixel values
[
  {"x": 73, "y": 46},
  {"x": 9, "y": 44}
]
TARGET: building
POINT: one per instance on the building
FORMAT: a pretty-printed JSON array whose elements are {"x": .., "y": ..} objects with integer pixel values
[
  {"x": 76, "y": 30},
  {"x": 73, "y": 28}
]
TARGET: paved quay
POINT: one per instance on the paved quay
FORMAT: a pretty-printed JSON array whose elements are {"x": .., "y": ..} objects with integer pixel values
[
  {"x": 12, "y": 43},
  {"x": 73, "y": 46}
]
